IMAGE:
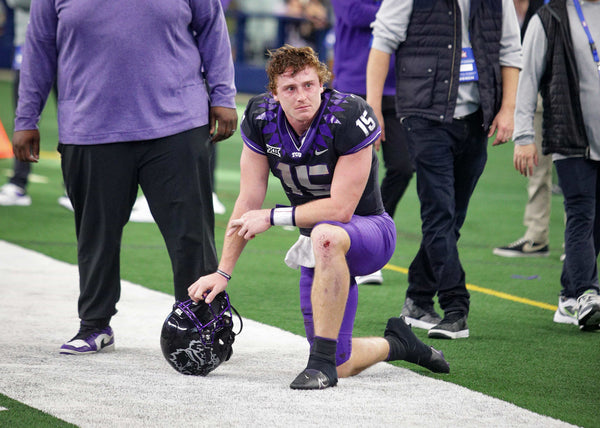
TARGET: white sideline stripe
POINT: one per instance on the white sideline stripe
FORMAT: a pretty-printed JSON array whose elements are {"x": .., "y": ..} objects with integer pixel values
[{"x": 135, "y": 387}]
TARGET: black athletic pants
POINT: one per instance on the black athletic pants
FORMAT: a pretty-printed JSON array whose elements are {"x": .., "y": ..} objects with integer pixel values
[
  {"x": 102, "y": 182},
  {"x": 396, "y": 158}
]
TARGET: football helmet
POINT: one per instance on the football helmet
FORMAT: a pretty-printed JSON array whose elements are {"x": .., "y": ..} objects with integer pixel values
[{"x": 197, "y": 337}]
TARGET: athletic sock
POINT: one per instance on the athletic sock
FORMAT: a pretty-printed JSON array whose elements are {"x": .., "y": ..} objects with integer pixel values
[
  {"x": 404, "y": 345},
  {"x": 322, "y": 357},
  {"x": 397, "y": 349}
]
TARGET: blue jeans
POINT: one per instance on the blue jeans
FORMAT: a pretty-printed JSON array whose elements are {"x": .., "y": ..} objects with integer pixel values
[
  {"x": 449, "y": 158},
  {"x": 579, "y": 180}
]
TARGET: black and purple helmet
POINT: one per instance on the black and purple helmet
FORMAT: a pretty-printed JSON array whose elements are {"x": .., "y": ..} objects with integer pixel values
[{"x": 197, "y": 337}]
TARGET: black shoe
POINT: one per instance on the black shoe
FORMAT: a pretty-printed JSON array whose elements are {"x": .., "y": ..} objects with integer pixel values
[
  {"x": 419, "y": 316},
  {"x": 453, "y": 326},
  {"x": 312, "y": 379},
  {"x": 523, "y": 248},
  {"x": 404, "y": 345}
]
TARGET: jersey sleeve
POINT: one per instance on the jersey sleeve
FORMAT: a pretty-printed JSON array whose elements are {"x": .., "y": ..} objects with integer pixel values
[
  {"x": 359, "y": 128},
  {"x": 251, "y": 134}
]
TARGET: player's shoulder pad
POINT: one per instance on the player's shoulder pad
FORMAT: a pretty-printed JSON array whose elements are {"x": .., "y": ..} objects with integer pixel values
[{"x": 353, "y": 105}]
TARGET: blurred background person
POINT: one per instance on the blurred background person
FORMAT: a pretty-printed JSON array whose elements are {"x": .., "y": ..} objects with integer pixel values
[
  {"x": 561, "y": 62},
  {"x": 536, "y": 240},
  {"x": 15, "y": 191}
]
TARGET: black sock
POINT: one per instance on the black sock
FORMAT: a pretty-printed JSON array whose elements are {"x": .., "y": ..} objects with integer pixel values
[
  {"x": 95, "y": 324},
  {"x": 397, "y": 349},
  {"x": 404, "y": 345},
  {"x": 322, "y": 357}
]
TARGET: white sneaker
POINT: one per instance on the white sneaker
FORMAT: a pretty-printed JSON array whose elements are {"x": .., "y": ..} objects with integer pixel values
[
  {"x": 375, "y": 278},
  {"x": 588, "y": 314},
  {"x": 13, "y": 195},
  {"x": 567, "y": 311},
  {"x": 140, "y": 213},
  {"x": 65, "y": 202},
  {"x": 218, "y": 206}
]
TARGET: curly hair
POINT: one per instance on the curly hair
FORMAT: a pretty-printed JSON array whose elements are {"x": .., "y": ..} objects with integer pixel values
[{"x": 297, "y": 59}]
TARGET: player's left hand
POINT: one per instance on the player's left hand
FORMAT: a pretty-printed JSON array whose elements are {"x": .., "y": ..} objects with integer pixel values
[
  {"x": 250, "y": 224},
  {"x": 223, "y": 122}
]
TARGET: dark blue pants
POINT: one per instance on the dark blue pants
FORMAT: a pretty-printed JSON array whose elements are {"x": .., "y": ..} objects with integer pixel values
[
  {"x": 449, "y": 158},
  {"x": 579, "y": 180},
  {"x": 102, "y": 182}
]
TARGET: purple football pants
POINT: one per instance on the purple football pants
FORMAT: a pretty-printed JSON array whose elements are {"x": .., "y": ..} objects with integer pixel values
[{"x": 372, "y": 243}]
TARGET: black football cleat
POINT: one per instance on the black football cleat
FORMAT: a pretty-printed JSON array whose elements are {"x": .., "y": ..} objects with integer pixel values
[
  {"x": 437, "y": 363},
  {"x": 404, "y": 345},
  {"x": 312, "y": 379}
]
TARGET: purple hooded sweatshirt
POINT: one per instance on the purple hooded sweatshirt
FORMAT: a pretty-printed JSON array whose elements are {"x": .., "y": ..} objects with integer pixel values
[
  {"x": 352, "y": 44},
  {"x": 126, "y": 70}
]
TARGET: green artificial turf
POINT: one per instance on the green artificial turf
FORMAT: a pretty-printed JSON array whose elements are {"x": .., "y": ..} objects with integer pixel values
[
  {"x": 18, "y": 415},
  {"x": 515, "y": 351}
]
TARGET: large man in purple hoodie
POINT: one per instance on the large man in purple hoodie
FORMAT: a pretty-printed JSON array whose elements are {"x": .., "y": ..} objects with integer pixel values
[
  {"x": 353, "y": 20},
  {"x": 144, "y": 90}
]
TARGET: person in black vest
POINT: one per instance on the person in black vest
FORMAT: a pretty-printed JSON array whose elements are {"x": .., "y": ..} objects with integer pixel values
[
  {"x": 457, "y": 67},
  {"x": 561, "y": 61}
]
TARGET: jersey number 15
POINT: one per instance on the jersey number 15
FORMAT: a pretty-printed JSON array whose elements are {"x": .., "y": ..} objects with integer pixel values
[{"x": 366, "y": 123}]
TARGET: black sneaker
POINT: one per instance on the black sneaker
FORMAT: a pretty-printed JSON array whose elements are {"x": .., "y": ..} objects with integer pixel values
[
  {"x": 453, "y": 326},
  {"x": 404, "y": 345},
  {"x": 523, "y": 248},
  {"x": 417, "y": 316},
  {"x": 312, "y": 379}
]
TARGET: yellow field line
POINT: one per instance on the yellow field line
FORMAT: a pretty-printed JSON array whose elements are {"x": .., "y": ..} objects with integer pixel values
[
  {"x": 470, "y": 287},
  {"x": 44, "y": 154},
  {"x": 491, "y": 292}
]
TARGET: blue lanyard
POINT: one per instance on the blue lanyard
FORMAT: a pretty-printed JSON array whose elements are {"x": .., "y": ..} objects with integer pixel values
[{"x": 587, "y": 31}]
